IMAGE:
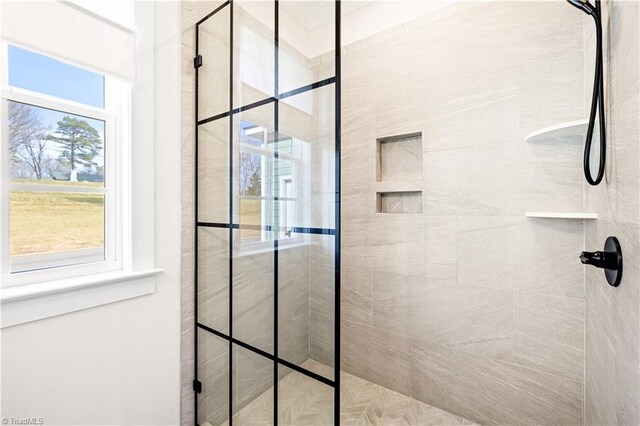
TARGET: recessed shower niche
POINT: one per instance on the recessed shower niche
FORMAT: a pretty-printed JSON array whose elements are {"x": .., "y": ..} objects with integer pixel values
[
  {"x": 398, "y": 173},
  {"x": 399, "y": 202},
  {"x": 400, "y": 158}
]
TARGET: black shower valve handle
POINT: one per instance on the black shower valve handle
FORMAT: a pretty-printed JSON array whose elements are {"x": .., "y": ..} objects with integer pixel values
[
  {"x": 609, "y": 259},
  {"x": 599, "y": 259}
]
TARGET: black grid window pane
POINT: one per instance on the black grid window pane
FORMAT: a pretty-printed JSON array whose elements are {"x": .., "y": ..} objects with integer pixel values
[
  {"x": 267, "y": 202},
  {"x": 254, "y": 51},
  {"x": 212, "y": 404},
  {"x": 214, "y": 76}
]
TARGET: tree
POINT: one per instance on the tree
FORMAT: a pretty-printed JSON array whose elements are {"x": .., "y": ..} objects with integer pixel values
[
  {"x": 255, "y": 184},
  {"x": 81, "y": 143},
  {"x": 51, "y": 165},
  {"x": 250, "y": 166},
  {"x": 28, "y": 137}
]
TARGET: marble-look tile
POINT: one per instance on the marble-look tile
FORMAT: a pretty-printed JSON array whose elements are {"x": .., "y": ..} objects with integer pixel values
[
  {"x": 441, "y": 248},
  {"x": 293, "y": 304},
  {"x": 624, "y": 41},
  {"x": 257, "y": 412},
  {"x": 409, "y": 202},
  {"x": 304, "y": 401},
  {"x": 213, "y": 278},
  {"x": 387, "y": 360},
  {"x": 322, "y": 274},
  {"x": 403, "y": 244},
  {"x": 613, "y": 332},
  {"x": 187, "y": 402},
  {"x": 549, "y": 94},
  {"x": 549, "y": 334},
  {"x": 213, "y": 373},
  {"x": 471, "y": 180},
  {"x": 357, "y": 295},
  {"x": 479, "y": 119},
  {"x": 214, "y": 75},
  {"x": 419, "y": 413},
  {"x": 253, "y": 294},
  {"x": 253, "y": 375},
  {"x": 600, "y": 374},
  {"x": 321, "y": 337},
  {"x": 617, "y": 197},
  {"x": 187, "y": 399},
  {"x": 465, "y": 318},
  {"x": 400, "y": 158},
  {"x": 213, "y": 172},
  {"x": 627, "y": 390},
  {"x": 194, "y": 10},
  {"x": 492, "y": 392},
  {"x": 391, "y": 243},
  {"x": 538, "y": 34},
  {"x": 524, "y": 254}
]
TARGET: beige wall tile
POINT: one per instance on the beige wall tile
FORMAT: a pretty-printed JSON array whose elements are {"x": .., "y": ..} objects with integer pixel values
[
  {"x": 357, "y": 295},
  {"x": 253, "y": 299},
  {"x": 377, "y": 355},
  {"x": 612, "y": 374},
  {"x": 213, "y": 372},
  {"x": 550, "y": 93},
  {"x": 321, "y": 338},
  {"x": 524, "y": 254},
  {"x": 492, "y": 392},
  {"x": 472, "y": 181},
  {"x": 293, "y": 304},
  {"x": 612, "y": 332},
  {"x": 549, "y": 334},
  {"x": 214, "y": 75},
  {"x": 624, "y": 39},
  {"x": 472, "y": 319},
  {"x": 617, "y": 197},
  {"x": 213, "y": 278}
]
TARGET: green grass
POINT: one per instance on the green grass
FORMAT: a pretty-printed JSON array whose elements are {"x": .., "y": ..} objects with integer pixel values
[
  {"x": 56, "y": 182},
  {"x": 250, "y": 214},
  {"x": 42, "y": 222}
]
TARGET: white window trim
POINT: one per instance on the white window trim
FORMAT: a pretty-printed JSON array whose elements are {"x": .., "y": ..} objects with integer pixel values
[
  {"x": 301, "y": 188},
  {"x": 136, "y": 276},
  {"x": 115, "y": 184}
]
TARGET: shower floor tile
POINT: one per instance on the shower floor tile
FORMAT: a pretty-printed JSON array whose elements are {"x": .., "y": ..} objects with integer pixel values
[{"x": 304, "y": 401}]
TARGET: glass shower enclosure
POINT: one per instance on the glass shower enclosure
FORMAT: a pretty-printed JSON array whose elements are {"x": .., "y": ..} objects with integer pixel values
[{"x": 267, "y": 208}]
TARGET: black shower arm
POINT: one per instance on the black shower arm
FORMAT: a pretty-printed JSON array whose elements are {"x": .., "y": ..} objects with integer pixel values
[{"x": 597, "y": 103}]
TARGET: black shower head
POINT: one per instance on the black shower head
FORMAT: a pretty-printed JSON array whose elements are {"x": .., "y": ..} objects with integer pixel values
[{"x": 583, "y": 5}]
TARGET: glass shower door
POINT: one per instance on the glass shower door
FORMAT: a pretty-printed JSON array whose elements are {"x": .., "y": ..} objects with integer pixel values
[{"x": 267, "y": 207}]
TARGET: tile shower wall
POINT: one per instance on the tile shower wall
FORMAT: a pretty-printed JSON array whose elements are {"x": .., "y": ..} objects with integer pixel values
[
  {"x": 612, "y": 314},
  {"x": 469, "y": 306}
]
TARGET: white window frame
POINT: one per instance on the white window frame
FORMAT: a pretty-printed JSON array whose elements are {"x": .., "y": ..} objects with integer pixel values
[
  {"x": 138, "y": 273},
  {"x": 300, "y": 189},
  {"x": 114, "y": 115}
]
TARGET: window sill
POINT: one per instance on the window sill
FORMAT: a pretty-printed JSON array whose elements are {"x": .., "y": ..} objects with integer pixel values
[
  {"x": 252, "y": 249},
  {"x": 26, "y": 303}
]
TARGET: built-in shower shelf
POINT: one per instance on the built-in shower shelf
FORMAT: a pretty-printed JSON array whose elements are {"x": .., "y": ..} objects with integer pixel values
[
  {"x": 559, "y": 215},
  {"x": 572, "y": 128}
]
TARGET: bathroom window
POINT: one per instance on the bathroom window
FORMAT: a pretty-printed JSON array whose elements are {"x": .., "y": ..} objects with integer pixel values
[
  {"x": 271, "y": 181},
  {"x": 62, "y": 156}
]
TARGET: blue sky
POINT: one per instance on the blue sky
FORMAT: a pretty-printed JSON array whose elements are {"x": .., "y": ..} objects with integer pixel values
[
  {"x": 38, "y": 73},
  {"x": 34, "y": 72}
]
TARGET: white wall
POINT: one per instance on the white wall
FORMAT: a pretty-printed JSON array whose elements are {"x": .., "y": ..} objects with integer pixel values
[{"x": 118, "y": 363}]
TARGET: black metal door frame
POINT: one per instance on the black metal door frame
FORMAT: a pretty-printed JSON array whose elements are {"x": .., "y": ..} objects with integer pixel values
[{"x": 335, "y": 383}]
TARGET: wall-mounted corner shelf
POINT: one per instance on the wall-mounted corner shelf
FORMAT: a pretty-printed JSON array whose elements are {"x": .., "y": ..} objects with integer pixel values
[
  {"x": 572, "y": 128},
  {"x": 557, "y": 215}
]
